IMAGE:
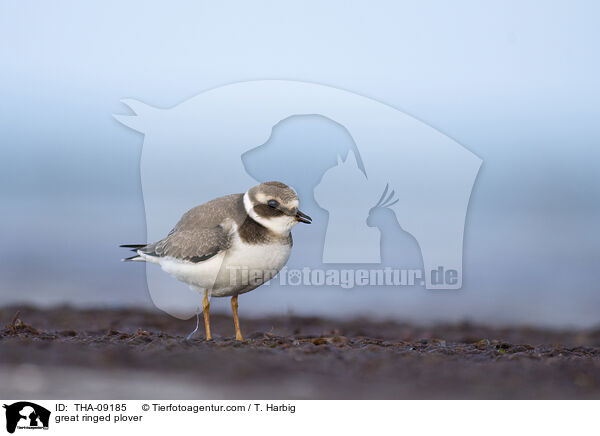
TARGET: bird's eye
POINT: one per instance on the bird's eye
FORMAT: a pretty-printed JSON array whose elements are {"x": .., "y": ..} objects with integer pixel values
[{"x": 273, "y": 203}]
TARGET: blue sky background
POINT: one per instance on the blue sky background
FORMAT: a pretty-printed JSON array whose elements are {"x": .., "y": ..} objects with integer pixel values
[{"x": 514, "y": 82}]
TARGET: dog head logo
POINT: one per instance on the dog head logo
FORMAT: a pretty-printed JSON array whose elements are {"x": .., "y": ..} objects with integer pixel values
[
  {"x": 26, "y": 415},
  {"x": 226, "y": 139}
]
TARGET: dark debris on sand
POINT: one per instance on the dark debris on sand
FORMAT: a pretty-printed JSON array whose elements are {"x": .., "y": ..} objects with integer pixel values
[{"x": 330, "y": 359}]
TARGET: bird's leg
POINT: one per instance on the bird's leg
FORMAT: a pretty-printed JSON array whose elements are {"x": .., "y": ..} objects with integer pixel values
[
  {"x": 236, "y": 321},
  {"x": 197, "y": 325},
  {"x": 205, "y": 309}
]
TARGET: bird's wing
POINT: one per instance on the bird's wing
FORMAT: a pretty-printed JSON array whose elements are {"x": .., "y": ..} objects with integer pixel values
[
  {"x": 191, "y": 246},
  {"x": 202, "y": 232}
]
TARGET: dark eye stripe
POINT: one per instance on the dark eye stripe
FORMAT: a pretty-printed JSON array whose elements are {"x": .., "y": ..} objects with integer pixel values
[{"x": 266, "y": 211}]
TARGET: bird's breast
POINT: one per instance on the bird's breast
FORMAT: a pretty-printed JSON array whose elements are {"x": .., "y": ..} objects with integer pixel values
[{"x": 259, "y": 257}]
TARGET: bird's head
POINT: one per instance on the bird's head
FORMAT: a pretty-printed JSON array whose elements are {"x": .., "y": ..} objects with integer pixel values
[
  {"x": 274, "y": 205},
  {"x": 382, "y": 208}
]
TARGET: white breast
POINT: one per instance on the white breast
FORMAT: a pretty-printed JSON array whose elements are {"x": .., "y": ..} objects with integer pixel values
[
  {"x": 247, "y": 266},
  {"x": 239, "y": 269}
]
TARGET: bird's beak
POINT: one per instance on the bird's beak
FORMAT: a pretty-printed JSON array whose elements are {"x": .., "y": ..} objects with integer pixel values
[{"x": 303, "y": 218}]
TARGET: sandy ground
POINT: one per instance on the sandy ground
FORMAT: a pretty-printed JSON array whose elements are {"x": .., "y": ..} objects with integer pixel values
[{"x": 127, "y": 354}]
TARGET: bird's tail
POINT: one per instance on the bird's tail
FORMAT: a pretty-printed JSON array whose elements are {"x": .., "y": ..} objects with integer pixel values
[{"x": 134, "y": 248}]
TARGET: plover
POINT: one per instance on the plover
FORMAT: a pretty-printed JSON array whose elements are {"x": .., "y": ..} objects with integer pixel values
[{"x": 229, "y": 245}]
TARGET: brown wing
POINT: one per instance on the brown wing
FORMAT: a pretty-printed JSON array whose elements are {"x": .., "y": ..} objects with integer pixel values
[
  {"x": 202, "y": 232},
  {"x": 196, "y": 246}
]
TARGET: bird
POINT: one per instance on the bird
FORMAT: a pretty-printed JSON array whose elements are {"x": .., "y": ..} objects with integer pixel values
[{"x": 229, "y": 245}]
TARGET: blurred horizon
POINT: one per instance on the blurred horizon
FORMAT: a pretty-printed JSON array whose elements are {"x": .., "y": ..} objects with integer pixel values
[{"x": 515, "y": 83}]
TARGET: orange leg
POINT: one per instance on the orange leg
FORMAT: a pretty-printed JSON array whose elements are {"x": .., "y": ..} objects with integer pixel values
[
  {"x": 205, "y": 310},
  {"x": 236, "y": 321}
]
